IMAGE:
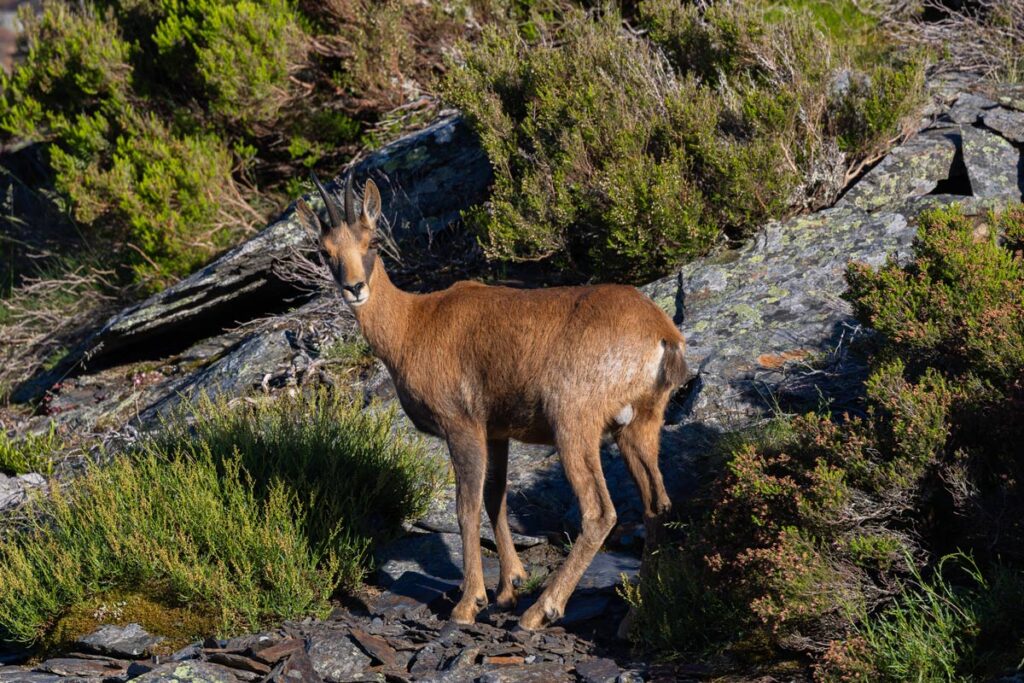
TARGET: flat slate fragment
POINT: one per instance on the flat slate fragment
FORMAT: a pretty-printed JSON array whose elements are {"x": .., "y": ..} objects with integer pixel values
[
  {"x": 11, "y": 674},
  {"x": 598, "y": 670},
  {"x": 80, "y": 666},
  {"x": 969, "y": 107},
  {"x": 910, "y": 170},
  {"x": 130, "y": 641},
  {"x": 334, "y": 656},
  {"x": 1008, "y": 123},
  {"x": 187, "y": 672},
  {"x": 993, "y": 165}
]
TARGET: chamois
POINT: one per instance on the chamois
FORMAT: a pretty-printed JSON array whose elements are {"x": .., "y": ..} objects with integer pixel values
[{"x": 478, "y": 365}]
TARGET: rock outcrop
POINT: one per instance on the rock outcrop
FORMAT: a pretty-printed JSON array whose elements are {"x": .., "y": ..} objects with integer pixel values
[
  {"x": 426, "y": 179},
  {"x": 766, "y": 326}
]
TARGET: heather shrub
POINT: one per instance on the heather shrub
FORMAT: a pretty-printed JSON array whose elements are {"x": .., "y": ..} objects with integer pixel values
[
  {"x": 178, "y": 528},
  {"x": 617, "y": 155},
  {"x": 171, "y": 128},
  {"x": 833, "y": 530},
  {"x": 161, "y": 194},
  {"x": 242, "y": 513},
  {"x": 169, "y": 199},
  {"x": 29, "y": 453},
  {"x": 240, "y": 52},
  {"x": 348, "y": 465}
]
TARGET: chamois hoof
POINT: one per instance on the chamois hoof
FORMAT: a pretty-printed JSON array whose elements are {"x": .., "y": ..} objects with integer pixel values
[
  {"x": 506, "y": 600},
  {"x": 538, "y": 616},
  {"x": 465, "y": 612},
  {"x": 519, "y": 577}
]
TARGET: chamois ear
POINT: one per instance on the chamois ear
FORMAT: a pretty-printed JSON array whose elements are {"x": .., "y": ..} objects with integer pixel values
[{"x": 371, "y": 203}]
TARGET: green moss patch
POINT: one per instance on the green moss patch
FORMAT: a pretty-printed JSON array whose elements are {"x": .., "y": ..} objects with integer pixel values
[{"x": 177, "y": 625}]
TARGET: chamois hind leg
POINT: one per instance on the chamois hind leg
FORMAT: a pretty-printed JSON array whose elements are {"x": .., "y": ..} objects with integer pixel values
[
  {"x": 469, "y": 459},
  {"x": 639, "y": 444},
  {"x": 495, "y": 488},
  {"x": 581, "y": 458}
]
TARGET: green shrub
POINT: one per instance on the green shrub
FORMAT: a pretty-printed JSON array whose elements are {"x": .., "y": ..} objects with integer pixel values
[
  {"x": 833, "y": 528},
  {"x": 874, "y": 106},
  {"x": 167, "y": 198},
  {"x": 952, "y": 627},
  {"x": 345, "y": 463},
  {"x": 710, "y": 616},
  {"x": 247, "y": 512},
  {"x": 242, "y": 53},
  {"x": 29, "y": 453},
  {"x": 167, "y": 123},
  {"x": 185, "y": 528},
  {"x": 618, "y": 155},
  {"x": 958, "y": 307},
  {"x": 582, "y": 191},
  {"x": 163, "y": 198}
]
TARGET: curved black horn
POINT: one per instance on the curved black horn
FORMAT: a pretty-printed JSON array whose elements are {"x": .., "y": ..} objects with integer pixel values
[
  {"x": 329, "y": 201},
  {"x": 350, "y": 201}
]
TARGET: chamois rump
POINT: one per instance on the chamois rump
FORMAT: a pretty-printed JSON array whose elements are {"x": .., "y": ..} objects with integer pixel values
[{"x": 478, "y": 365}]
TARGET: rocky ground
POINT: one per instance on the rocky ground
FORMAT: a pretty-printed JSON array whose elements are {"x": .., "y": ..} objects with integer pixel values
[{"x": 765, "y": 325}]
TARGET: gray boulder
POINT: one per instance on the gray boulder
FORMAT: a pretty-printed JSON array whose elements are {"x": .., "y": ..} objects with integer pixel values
[
  {"x": 912, "y": 169},
  {"x": 334, "y": 656},
  {"x": 426, "y": 178},
  {"x": 1006, "y": 122},
  {"x": 993, "y": 165},
  {"x": 129, "y": 642}
]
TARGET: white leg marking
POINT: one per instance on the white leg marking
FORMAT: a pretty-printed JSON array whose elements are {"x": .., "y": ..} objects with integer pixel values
[{"x": 625, "y": 416}]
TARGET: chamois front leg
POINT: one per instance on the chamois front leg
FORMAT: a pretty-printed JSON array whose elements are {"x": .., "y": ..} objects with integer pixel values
[
  {"x": 581, "y": 459},
  {"x": 495, "y": 493},
  {"x": 469, "y": 460}
]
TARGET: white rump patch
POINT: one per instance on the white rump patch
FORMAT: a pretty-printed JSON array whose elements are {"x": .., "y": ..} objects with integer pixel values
[{"x": 625, "y": 416}]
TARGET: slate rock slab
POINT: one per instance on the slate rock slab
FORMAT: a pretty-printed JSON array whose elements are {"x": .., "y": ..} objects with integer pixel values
[
  {"x": 11, "y": 674},
  {"x": 130, "y": 641},
  {"x": 298, "y": 668},
  {"x": 969, "y": 107},
  {"x": 188, "y": 672},
  {"x": 1007, "y": 122},
  {"x": 912, "y": 169},
  {"x": 239, "y": 371},
  {"x": 14, "y": 489},
  {"x": 598, "y": 670},
  {"x": 83, "y": 667},
  {"x": 751, "y": 313},
  {"x": 993, "y": 164},
  {"x": 606, "y": 571},
  {"x": 334, "y": 656},
  {"x": 436, "y": 555},
  {"x": 584, "y": 607}
]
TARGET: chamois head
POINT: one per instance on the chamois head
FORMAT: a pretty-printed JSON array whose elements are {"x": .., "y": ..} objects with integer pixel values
[{"x": 346, "y": 243}]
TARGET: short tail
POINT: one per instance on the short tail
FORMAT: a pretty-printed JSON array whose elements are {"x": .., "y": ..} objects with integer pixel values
[{"x": 673, "y": 371}]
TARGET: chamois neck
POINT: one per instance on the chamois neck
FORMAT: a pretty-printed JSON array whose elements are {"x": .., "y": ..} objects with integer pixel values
[{"x": 384, "y": 318}]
